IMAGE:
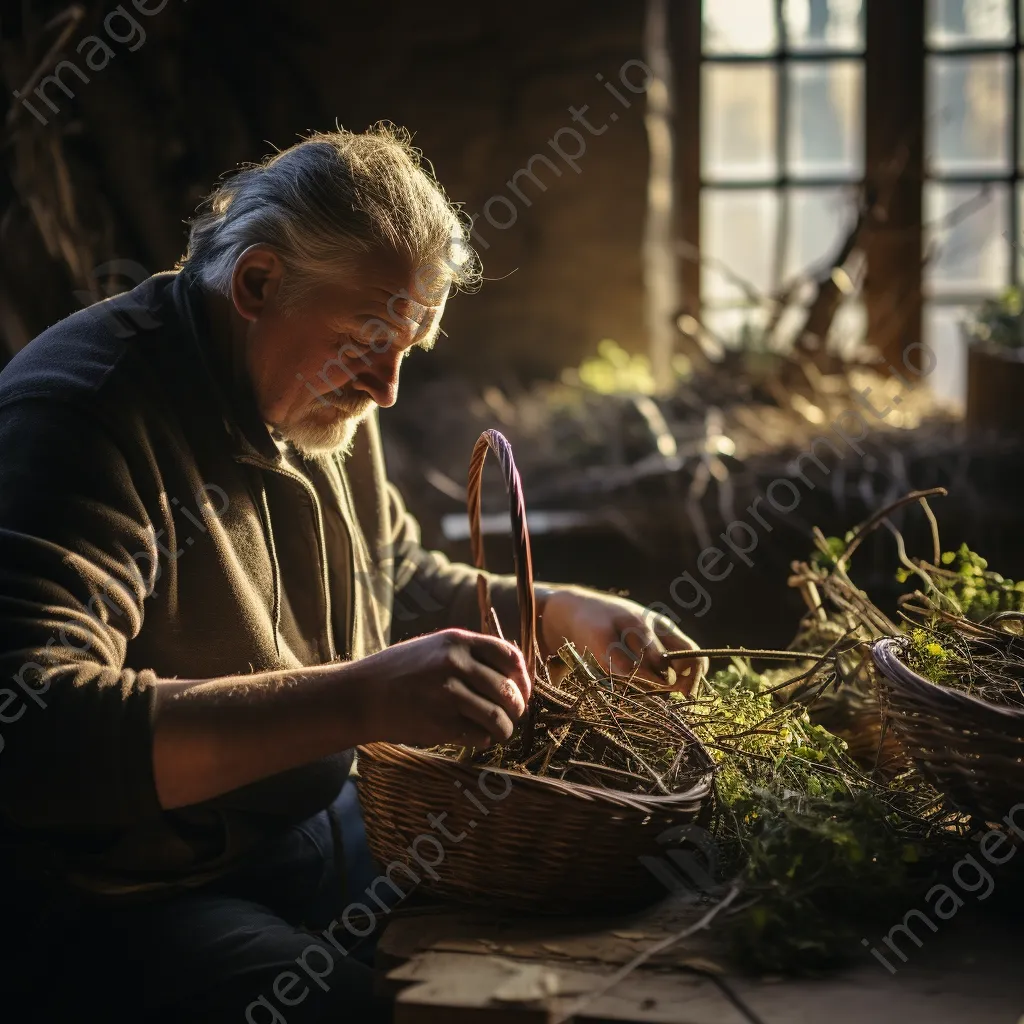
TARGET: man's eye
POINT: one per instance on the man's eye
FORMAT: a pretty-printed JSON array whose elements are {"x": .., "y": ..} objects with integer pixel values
[{"x": 348, "y": 341}]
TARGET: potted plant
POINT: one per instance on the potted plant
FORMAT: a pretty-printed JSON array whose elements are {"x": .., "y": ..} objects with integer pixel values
[{"x": 995, "y": 364}]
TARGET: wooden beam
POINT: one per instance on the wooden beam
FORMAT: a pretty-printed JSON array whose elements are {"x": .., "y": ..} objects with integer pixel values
[
  {"x": 684, "y": 28},
  {"x": 894, "y": 120}
]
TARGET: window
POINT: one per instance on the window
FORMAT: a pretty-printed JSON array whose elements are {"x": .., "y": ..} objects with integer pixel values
[
  {"x": 782, "y": 140},
  {"x": 782, "y": 152},
  {"x": 973, "y": 192}
]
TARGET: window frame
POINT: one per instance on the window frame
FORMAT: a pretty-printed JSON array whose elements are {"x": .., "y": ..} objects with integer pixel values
[
  {"x": 894, "y": 122},
  {"x": 1013, "y": 179},
  {"x": 785, "y": 180}
]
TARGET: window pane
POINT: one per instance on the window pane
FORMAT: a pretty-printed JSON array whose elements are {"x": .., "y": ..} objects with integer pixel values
[
  {"x": 740, "y": 26},
  {"x": 734, "y": 327},
  {"x": 1017, "y": 244},
  {"x": 965, "y": 239},
  {"x": 738, "y": 122},
  {"x": 817, "y": 221},
  {"x": 849, "y": 328},
  {"x": 787, "y": 330},
  {"x": 737, "y": 231},
  {"x": 826, "y": 138},
  {"x": 944, "y": 335},
  {"x": 954, "y": 23},
  {"x": 1020, "y": 101},
  {"x": 846, "y": 336},
  {"x": 824, "y": 24},
  {"x": 968, "y": 114}
]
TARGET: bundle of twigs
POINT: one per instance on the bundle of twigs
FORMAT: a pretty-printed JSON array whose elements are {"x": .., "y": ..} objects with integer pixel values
[
  {"x": 947, "y": 669},
  {"x": 964, "y": 625},
  {"x": 596, "y": 729},
  {"x": 840, "y": 613},
  {"x": 980, "y": 659},
  {"x": 984, "y": 658}
]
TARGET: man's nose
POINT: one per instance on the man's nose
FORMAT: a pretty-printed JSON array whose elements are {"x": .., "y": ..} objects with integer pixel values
[{"x": 381, "y": 382}]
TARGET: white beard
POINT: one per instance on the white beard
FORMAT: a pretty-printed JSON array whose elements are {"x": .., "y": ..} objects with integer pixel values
[{"x": 313, "y": 437}]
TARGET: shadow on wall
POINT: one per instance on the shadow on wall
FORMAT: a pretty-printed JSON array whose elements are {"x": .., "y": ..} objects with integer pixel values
[{"x": 533, "y": 120}]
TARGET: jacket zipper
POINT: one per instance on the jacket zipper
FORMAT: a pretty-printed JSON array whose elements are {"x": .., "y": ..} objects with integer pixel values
[
  {"x": 348, "y": 516},
  {"x": 325, "y": 583}
]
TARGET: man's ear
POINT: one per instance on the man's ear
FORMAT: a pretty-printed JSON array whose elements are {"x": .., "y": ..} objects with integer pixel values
[{"x": 256, "y": 281}]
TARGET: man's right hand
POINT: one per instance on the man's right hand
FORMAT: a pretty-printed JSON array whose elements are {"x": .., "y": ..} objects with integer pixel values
[
  {"x": 214, "y": 735},
  {"x": 452, "y": 686}
]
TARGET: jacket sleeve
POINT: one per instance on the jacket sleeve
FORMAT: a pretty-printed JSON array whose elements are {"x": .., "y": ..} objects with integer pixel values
[
  {"x": 78, "y": 555},
  {"x": 432, "y": 592}
]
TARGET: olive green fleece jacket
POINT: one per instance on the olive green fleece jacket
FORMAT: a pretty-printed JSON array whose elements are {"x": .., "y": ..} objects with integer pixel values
[{"x": 151, "y": 528}]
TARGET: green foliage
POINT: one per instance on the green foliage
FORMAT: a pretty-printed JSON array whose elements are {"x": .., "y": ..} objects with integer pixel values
[
  {"x": 929, "y": 658},
  {"x": 815, "y": 839},
  {"x": 815, "y": 860},
  {"x": 836, "y": 549},
  {"x": 1000, "y": 321},
  {"x": 615, "y": 371},
  {"x": 945, "y": 647},
  {"x": 973, "y": 591}
]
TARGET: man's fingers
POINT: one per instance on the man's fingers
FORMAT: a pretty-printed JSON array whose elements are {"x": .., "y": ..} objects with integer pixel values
[
  {"x": 688, "y": 670},
  {"x": 646, "y": 653},
  {"x": 648, "y": 662},
  {"x": 676, "y": 640},
  {"x": 491, "y": 717},
  {"x": 505, "y": 659},
  {"x": 493, "y": 686}
]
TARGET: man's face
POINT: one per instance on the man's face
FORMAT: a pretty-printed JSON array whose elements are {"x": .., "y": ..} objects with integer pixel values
[{"x": 318, "y": 371}]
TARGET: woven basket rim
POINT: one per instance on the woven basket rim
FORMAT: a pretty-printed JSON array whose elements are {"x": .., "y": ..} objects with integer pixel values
[
  {"x": 886, "y": 653},
  {"x": 399, "y": 752}
]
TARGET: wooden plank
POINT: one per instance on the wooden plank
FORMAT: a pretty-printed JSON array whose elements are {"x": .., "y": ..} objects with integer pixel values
[
  {"x": 457, "y": 987},
  {"x": 612, "y": 941},
  {"x": 868, "y": 996},
  {"x": 464, "y": 966},
  {"x": 966, "y": 973}
]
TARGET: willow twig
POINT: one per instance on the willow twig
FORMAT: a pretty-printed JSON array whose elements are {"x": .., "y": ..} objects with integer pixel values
[
  {"x": 638, "y": 961},
  {"x": 744, "y": 652},
  {"x": 873, "y": 522}
]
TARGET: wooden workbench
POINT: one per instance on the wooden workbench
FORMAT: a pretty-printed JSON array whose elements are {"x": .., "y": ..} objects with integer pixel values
[{"x": 452, "y": 967}]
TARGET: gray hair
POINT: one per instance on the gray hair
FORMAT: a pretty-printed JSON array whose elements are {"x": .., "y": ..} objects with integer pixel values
[{"x": 324, "y": 203}]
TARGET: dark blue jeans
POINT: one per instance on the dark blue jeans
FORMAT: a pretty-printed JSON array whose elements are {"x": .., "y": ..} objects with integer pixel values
[{"x": 250, "y": 947}]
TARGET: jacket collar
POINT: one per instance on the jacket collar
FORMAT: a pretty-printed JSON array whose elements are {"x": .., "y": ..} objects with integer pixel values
[{"x": 226, "y": 380}]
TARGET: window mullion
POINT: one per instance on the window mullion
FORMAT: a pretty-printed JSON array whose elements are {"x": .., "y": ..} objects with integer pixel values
[
  {"x": 781, "y": 135},
  {"x": 684, "y": 27},
  {"x": 894, "y": 137},
  {"x": 1014, "y": 106}
]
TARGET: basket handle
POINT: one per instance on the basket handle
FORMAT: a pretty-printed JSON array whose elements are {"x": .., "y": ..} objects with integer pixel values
[{"x": 522, "y": 557}]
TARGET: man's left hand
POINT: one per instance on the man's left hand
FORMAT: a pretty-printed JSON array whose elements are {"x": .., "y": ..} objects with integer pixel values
[{"x": 626, "y": 638}]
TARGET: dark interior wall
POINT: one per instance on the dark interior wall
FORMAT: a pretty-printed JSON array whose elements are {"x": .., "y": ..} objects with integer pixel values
[{"x": 484, "y": 88}]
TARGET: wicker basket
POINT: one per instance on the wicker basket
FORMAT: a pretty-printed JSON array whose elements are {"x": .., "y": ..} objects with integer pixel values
[
  {"x": 505, "y": 838},
  {"x": 854, "y": 714},
  {"x": 969, "y": 749}
]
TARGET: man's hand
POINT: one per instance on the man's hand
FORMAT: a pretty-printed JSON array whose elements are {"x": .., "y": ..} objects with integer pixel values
[
  {"x": 624, "y": 637},
  {"x": 452, "y": 686},
  {"x": 212, "y": 736}
]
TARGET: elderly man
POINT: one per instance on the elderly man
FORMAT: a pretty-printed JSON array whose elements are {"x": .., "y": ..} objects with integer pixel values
[{"x": 211, "y": 594}]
